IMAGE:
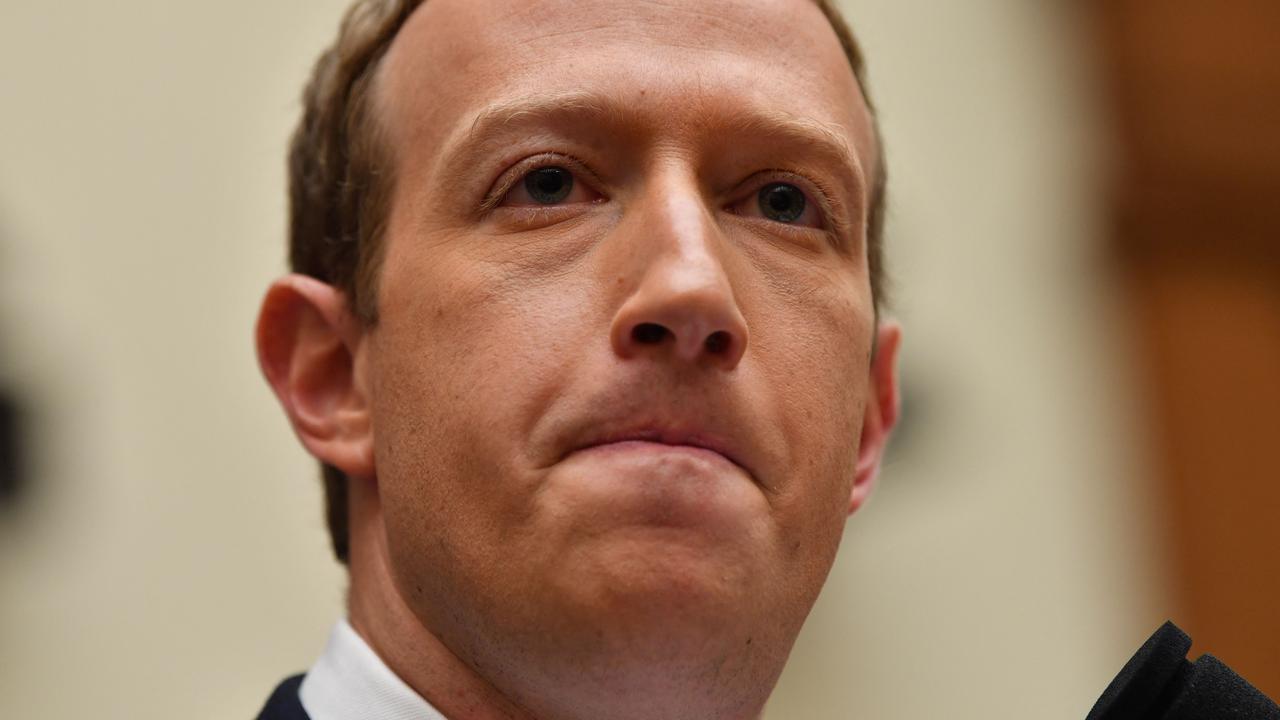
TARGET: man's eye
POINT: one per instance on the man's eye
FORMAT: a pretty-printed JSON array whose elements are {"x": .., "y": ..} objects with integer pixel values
[
  {"x": 548, "y": 185},
  {"x": 781, "y": 202},
  {"x": 545, "y": 186}
]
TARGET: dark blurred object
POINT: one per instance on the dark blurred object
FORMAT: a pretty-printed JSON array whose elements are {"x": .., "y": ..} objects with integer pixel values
[
  {"x": 1194, "y": 90},
  {"x": 1160, "y": 683},
  {"x": 11, "y": 460}
]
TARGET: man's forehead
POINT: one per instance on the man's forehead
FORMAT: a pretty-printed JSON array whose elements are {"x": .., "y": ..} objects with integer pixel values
[
  {"x": 457, "y": 59},
  {"x": 510, "y": 24}
]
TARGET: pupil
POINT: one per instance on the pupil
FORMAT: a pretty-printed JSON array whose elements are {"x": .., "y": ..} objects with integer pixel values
[
  {"x": 549, "y": 185},
  {"x": 782, "y": 202}
]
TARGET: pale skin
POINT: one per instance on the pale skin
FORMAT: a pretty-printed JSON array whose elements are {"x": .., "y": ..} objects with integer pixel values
[{"x": 611, "y": 422}]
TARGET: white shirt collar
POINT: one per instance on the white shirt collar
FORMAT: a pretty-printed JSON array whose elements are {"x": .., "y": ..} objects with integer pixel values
[{"x": 350, "y": 682}]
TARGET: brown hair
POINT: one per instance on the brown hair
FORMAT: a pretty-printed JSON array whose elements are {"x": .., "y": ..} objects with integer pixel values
[{"x": 340, "y": 182}]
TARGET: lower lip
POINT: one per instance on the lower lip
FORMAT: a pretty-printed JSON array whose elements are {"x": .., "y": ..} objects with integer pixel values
[
  {"x": 657, "y": 450},
  {"x": 654, "y": 484}
]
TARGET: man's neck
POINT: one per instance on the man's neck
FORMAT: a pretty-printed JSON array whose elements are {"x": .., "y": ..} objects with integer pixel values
[{"x": 379, "y": 614}]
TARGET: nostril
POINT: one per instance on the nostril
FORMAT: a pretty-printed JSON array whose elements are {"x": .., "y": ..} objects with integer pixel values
[
  {"x": 648, "y": 333},
  {"x": 717, "y": 342}
]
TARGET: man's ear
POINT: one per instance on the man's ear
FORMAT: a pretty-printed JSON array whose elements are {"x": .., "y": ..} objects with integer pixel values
[
  {"x": 308, "y": 345},
  {"x": 881, "y": 412}
]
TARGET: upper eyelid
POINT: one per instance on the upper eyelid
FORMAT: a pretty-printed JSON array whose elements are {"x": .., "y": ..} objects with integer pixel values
[
  {"x": 808, "y": 184},
  {"x": 513, "y": 175}
]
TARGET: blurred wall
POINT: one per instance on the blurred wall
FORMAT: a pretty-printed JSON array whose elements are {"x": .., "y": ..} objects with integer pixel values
[
  {"x": 1194, "y": 96},
  {"x": 170, "y": 557}
]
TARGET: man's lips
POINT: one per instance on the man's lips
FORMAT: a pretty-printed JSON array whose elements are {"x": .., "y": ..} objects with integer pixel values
[{"x": 671, "y": 438}]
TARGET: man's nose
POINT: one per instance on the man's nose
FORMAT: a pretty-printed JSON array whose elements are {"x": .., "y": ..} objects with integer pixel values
[{"x": 682, "y": 305}]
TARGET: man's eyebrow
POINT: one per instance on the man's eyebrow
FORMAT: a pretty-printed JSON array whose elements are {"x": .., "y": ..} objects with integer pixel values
[
  {"x": 490, "y": 122},
  {"x": 540, "y": 107},
  {"x": 820, "y": 138},
  {"x": 470, "y": 138}
]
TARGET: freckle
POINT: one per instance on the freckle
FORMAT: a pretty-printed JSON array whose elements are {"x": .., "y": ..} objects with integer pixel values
[{"x": 748, "y": 641}]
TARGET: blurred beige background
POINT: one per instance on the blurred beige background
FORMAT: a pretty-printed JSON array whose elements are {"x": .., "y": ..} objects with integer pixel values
[{"x": 169, "y": 557}]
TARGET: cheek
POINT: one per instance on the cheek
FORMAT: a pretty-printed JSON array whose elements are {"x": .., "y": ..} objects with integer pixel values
[
  {"x": 814, "y": 348},
  {"x": 466, "y": 354},
  {"x": 467, "y": 315}
]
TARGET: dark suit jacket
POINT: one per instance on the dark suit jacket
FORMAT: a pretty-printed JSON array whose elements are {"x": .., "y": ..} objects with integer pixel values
[{"x": 284, "y": 703}]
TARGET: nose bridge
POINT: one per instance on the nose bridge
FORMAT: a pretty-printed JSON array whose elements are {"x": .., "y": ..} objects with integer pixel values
[
  {"x": 681, "y": 304},
  {"x": 685, "y": 240}
]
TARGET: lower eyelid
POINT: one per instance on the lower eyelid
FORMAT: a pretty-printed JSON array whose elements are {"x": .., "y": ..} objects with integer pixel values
[{"x": 521, "y": 219}]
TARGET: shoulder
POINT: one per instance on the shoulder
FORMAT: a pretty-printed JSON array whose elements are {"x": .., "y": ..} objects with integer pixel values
[{"x": 284, "y": 703}]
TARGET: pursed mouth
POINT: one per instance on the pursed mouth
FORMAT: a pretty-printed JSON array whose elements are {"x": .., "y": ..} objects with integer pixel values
[{"x": 669, "y": 439}]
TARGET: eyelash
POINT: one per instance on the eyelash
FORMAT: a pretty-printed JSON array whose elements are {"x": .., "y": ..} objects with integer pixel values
[{"x": 514, "y": 176}]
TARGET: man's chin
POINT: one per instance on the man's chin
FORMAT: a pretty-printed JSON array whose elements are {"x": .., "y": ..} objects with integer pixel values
[
  {"x": 670, "y": 622},
  {"x": 643, "y": 580},
  {"x": 645, "y": 489},
  {"x": 646, "y": 539},
  {"x": 638, "y": 609}
]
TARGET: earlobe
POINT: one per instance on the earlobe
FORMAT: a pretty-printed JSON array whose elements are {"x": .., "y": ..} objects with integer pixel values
[
  {"x": 308, "y": 342},
  {"x": 881, "y": 414}
]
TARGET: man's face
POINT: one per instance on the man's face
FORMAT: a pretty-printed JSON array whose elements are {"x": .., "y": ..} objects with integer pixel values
[{"x": 622, "y": 359}]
